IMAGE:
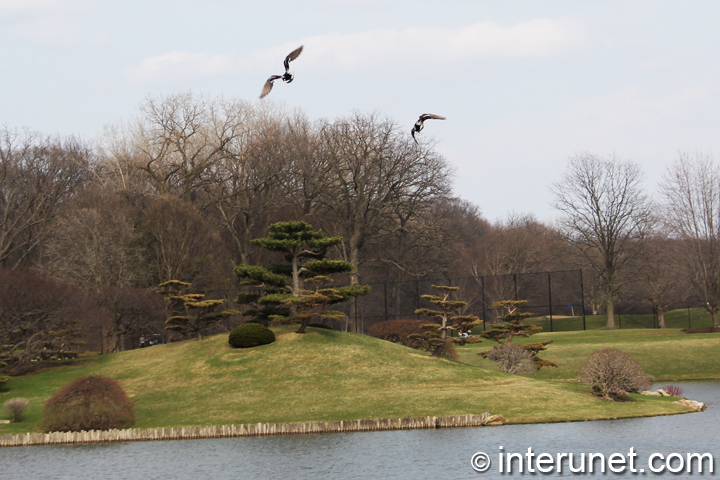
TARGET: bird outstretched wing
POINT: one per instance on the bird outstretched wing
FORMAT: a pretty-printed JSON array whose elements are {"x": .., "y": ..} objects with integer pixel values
[
  {"x": 268, "y": 85},
  {"x": 428, "y": 116},
  {"x": 292, "y": 56}
]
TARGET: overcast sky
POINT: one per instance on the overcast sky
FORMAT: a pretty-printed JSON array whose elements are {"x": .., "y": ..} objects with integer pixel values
[{"x": 523, "y": 84}]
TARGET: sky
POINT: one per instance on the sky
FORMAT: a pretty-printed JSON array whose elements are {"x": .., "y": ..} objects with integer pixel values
[{"x": 524, "y": 84}]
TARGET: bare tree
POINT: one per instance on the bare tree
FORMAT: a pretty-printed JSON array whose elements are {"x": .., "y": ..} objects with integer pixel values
[
  {"x": 662, "y": 277},
  {"x": 250, "y": 183},
  {"x": 96, "y": 247},
  {"x": 39, "y": 316},
  {"x": 691, "y": 188},
  {"x": 37, "y": 175},
  {"x": 177, "y": 142},
  {"x": 180, "y": 242},
  {"x": 605, "y": 218},
  {"x": 375, "y": 168},
  {"x": 130, "y": 311}
]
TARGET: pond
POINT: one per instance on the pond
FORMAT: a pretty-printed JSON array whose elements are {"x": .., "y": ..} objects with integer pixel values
[{"x": 414, "y": 454}]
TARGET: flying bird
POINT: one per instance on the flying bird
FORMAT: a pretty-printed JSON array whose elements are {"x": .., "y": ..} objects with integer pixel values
[
  {"x": 286, "y": 77},
  {"x": 420, "y": 124}
]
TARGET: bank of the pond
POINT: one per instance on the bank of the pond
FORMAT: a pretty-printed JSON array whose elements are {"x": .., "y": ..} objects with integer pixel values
[
  {"x": 321, "y": 376},
  {"x": 254, "y": 430}
]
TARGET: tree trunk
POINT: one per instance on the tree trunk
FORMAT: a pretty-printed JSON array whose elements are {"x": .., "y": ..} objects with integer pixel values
[
  {"x": 610, "y": 311},
  {"x": 295, "y": 277},
  {"x": 355, "y": 245},
  {"x": 303, "y": 325},
  {"x": 661, "y": 318},
  {"x": 714, "y": 315}
]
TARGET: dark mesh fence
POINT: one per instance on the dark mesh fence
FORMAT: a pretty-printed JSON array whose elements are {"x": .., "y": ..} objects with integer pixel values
[{"x": 556, "y": 295}]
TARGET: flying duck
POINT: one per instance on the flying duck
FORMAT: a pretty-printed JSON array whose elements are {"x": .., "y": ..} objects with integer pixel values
[
  {"x": 286, "y": 77},
  {"x": 420, "y": 124}
]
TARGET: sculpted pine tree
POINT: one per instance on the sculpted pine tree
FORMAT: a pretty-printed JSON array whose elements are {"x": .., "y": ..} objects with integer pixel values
[
  {"x": 434, "y": 336},
  {"x": 192, "y": 313},
  {"x": 512, "y": 326},
  {"x": 278, "y": 294}
]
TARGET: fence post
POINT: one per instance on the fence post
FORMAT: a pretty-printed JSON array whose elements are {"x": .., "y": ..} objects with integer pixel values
[
  {"x": 386, "y": 310},
  {"x": 550, "y": 302},
  {"x": 482, "y": 287},
  {"x": 417, "y": 296},
  {"x": 582, "y": 298}
]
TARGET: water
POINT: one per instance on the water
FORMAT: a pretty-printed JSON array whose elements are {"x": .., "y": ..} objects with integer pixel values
[{"x": 414, "y": 454}]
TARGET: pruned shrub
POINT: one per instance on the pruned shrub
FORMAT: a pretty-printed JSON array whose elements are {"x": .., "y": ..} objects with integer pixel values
[
  {"x": 448, "y": 351},
  {"x": 512, "y": 359},
  {"x": 612, "y": 373},
  {"x": 88, "y": 403},
  {"x": 250, "y": 335},
  {"x": 398, "y": 331},
  {"x": 16, "y": 406},
  {"x": 673, "y": 390}
]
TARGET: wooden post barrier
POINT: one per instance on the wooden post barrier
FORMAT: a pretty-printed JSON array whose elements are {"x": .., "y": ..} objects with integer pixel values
[{"x": 249, "y": 430}]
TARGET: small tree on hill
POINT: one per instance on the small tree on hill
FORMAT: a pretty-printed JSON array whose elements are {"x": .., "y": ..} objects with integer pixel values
[
  {"x": 277, "y": 298},
  {"x": 192, "y": 313},
  {"x": 512, "y": 326},
  {"x": 434, "y": 336}
]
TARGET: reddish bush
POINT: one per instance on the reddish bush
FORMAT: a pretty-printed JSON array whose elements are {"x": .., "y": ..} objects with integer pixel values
[
  {"x": 398, "y": 331},
  {"x": 88, "y": 403},
  {"x": 673, "y": 390},
  {"x": 613, "y": 373}
]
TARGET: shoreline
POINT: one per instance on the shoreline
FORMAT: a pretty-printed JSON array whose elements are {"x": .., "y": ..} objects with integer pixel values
[
  {"x": 248, "y": 430},
  {"x": 269, "y": 429}
]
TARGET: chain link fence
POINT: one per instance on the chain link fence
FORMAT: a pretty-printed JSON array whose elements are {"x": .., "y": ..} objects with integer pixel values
[{"x": 556, "y": 295}]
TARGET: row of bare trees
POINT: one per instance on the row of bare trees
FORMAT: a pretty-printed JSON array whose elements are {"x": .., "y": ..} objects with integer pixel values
[
  {"x": 179, "y": 193},
  {"x": 661, "y": 251}
]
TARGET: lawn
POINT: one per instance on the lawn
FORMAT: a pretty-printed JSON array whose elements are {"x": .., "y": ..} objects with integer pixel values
[
  {"x": 666, "y": 354},
  {"x": 326, "y": 375}
]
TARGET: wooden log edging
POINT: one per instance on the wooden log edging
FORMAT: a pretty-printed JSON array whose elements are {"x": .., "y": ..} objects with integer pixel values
[{"x": 248, "y": 430}]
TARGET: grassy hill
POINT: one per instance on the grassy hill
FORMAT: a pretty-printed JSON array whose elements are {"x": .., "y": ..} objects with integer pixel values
[
  {"x": 666, "y": 354},
  {"x": 321, "y": 375}
]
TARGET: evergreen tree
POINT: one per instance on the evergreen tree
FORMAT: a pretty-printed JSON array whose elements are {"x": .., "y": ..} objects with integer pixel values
[
  {"x": 434, "y": 336},
  {"x": 275, "y": 297},
  {"x": 192, "y": 313},
  {"x": 512, "y": 326}
]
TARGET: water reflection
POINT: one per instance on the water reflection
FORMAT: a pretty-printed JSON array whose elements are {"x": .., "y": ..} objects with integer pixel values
[{"x": 415, "y": 454}]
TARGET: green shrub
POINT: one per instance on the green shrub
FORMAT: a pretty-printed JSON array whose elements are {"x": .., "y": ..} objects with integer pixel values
[
  {"x": 88, "y": 403},
  {"x": 320, "y": 325},
  {"x": 250, "y": 335}
]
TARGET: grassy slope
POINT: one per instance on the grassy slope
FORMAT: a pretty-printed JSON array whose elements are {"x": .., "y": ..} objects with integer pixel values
[
  {"x": 665, "y": 354},
  {"x": 322, "y": 375}
]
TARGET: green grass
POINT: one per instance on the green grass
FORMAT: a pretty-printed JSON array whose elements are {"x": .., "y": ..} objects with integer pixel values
[
  {"x": 682, "y": 318},
  {"x": 321, "y": 375},
  {"x": 666, "y": 354}
]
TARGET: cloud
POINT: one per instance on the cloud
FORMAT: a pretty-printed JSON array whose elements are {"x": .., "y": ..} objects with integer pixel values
[
  {"x": 181, "y": 64},
  {"x": 534, "y": 39},
  {"x": 58, "y": 32},
  {"x": 12, "y": 8}
]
